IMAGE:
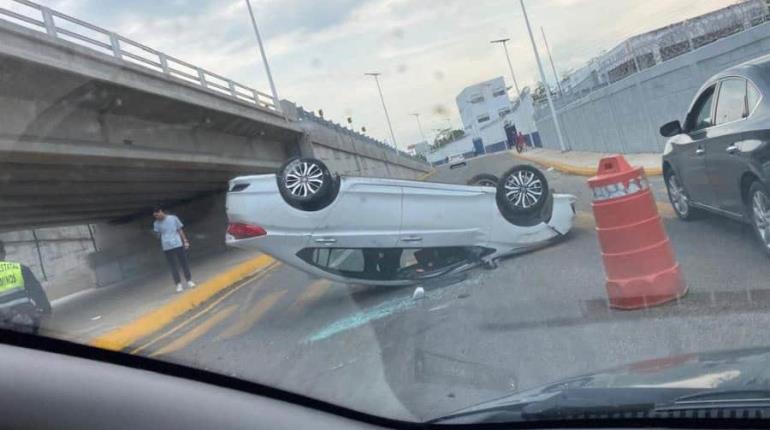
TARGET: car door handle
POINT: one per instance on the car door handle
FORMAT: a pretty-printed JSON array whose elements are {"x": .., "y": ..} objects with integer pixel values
[
  {"x": 700, "y": 151},
  {"x": 731, "y": 149},
  {"x": 326, "y": 240},
  {"x": 412, "y": 239}
]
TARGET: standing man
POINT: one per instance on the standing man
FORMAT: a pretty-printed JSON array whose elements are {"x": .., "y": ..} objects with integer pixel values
[
  {"x": 175, "y": 245},
  {"x": 23, "y": 301}
]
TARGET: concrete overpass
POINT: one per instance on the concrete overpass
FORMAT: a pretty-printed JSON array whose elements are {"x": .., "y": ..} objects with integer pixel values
[{"x": 96, "y": 127}]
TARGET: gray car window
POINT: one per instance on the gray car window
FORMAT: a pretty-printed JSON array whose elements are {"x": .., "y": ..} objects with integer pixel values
[
  {"x": 752, "y": 97},
  {"x": 700, "y": 116},
  {"x": 731, "y": 104}
]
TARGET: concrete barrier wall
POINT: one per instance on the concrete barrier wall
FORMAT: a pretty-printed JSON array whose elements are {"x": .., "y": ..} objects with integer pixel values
[
  {"x": 351, "y": 153},
  {"x": 57, "y": 256},
  {"x": 625, "y": 116}
]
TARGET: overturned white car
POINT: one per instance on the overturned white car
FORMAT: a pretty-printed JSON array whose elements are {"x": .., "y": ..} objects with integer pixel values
[{"x": 387, "y": 231}]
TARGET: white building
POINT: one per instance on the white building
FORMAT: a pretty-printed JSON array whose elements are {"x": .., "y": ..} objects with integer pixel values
[
  {"x": 482, "y": 103},
  {"x": 488, "y": 114}
]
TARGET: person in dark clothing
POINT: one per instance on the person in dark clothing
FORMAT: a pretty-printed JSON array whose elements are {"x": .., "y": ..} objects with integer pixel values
[{"x": 23, "y": 301}]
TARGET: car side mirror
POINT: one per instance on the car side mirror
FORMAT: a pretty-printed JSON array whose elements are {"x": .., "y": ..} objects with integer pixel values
[{"x": 670, "y": 129}]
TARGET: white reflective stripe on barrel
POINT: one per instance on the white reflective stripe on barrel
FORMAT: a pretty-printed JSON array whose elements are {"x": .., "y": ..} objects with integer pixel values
[{"x": 614, "y": 191}]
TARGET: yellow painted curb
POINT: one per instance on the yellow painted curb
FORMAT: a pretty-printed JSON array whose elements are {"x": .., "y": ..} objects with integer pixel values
[
  {"x": 427, "y": 175},
  {"x": 578, "y": 170},
  {"x": 151, "y": 322}
]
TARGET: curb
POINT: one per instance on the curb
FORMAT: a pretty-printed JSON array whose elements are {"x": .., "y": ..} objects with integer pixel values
[
  {"x": 577, "y": 170},
  {"x": 149, "y": 323}
]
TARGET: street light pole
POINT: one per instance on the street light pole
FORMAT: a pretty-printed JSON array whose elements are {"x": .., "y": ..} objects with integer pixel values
[
  {"x": 545, "y": 82},
  {"x": 276, "y": 100},
  {"x": 419, "y": 125},
  {"x": 376, "y": 76},
  {"x": 510, "y": 65},
  {"x": 550, "y": 58}
]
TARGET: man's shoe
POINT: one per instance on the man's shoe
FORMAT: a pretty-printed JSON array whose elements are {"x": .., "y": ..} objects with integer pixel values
[
  {"x": 179, "y": 288},
  {"x": 191, "y": 284}
]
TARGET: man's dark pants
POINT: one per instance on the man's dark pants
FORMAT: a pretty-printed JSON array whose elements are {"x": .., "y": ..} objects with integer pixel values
[{"x": 178, "y": 256}]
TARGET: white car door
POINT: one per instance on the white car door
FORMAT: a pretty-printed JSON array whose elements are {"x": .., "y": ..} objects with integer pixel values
[
  {"x": 365, "y": 214},
  {"x": 439, "y": 215}
]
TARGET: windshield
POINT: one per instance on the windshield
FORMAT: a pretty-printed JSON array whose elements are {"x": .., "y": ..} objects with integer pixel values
[{"x": 400, "y": 207}]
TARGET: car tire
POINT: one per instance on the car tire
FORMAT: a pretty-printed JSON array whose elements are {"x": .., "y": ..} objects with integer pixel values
[
  {"x": 484, "y": 180},
  {"x": 523, "y": 196},
  {"x": 679, "y": 199},
  {"x": 306, "y": 183},
  {"x": 759, "y": 201}
]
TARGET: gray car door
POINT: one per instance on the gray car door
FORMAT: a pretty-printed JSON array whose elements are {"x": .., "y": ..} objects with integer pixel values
[
  {"x": 692, "y": 151},
  {"x": 725, "y": 162}
]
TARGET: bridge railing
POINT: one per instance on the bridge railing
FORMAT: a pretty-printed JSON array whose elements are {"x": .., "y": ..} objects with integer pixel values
[{"x": 67, "y": 28}]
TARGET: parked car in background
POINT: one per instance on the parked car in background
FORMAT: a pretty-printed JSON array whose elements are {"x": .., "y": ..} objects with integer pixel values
[
  {"x": 716, "y": 159},
  {"x": 456, "y": 160},
  {"x": 391, "y": 232}
]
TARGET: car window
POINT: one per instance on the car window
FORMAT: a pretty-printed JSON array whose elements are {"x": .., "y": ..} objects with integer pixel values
[
  {"x": 752, "y": 97},
  {"x": 700, "y": 116},
  {"x": 731, "y": 104}
]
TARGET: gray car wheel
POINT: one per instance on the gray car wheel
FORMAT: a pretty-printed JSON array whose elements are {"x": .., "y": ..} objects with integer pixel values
[
  {"x": 523, "y": 196},
  {"x": 760, "y": 214},
  {"x": 679, "y": 198}
]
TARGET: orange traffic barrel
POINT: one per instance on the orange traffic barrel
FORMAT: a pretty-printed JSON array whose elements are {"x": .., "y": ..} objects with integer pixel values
[{"x": 641, "y": 268}]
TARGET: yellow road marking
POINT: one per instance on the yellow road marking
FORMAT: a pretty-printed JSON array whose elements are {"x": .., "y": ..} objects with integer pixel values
[
  {"x": 211, "y": 306},
  {"x": 254, "y": 314},
  {"x": 196, "y": 332},
  {"x": 427, "y": 175},
  {"x": 311, "y": 294},
  {"x": 155, "y": 320},
  {"x": 584, "y": 220},
  {"x": 665, "y": 210}
]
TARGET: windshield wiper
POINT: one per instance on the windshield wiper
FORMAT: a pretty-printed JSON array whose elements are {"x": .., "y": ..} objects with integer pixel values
[{"x": 621, "y": 403}]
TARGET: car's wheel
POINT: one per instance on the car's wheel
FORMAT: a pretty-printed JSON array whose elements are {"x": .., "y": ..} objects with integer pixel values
[
  {"x": 306, "y": 183},
  {"x": 522, "y": 194},
  {"x": 679, "y": 198},
  {"x": 484, "y": 180},
  {"x": 759, "y": 202}
]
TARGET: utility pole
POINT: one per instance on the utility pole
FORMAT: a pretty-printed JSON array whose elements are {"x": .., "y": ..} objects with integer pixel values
[
  {"x": 545, "y": 82},
  {"x": 376, "y": 76},
  {"x": 550, "y": 58},
  {"x": 504, "y": 42},
  {"x": 419, "y": 125},
  {"x": 276, "y": 100}
]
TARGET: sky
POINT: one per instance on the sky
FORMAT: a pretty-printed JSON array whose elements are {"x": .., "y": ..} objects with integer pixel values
[{"x": 426, "y": 50}]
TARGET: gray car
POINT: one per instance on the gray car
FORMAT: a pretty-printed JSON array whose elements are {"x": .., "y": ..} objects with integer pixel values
[{"x": 716, "y": 160}]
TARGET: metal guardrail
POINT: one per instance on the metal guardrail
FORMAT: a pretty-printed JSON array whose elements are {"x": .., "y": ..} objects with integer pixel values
[{"x": 66, "y": 28}]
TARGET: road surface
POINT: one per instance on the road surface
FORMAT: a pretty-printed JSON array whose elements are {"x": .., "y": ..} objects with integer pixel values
[{"x": 538, "y": 318}]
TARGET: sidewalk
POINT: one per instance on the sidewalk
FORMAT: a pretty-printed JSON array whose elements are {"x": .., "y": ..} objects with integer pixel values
[
  {"x": 585, "y": 163},
  {"x": 101, "y": 312}
]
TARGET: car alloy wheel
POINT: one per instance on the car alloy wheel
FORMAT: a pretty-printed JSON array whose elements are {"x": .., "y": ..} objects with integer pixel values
[
  {"x": 678, "y": 196},
  {"x": 304, "y": 179},
  {"x": 761, "y": 217},
  {"x": 523, "y": 189}
]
